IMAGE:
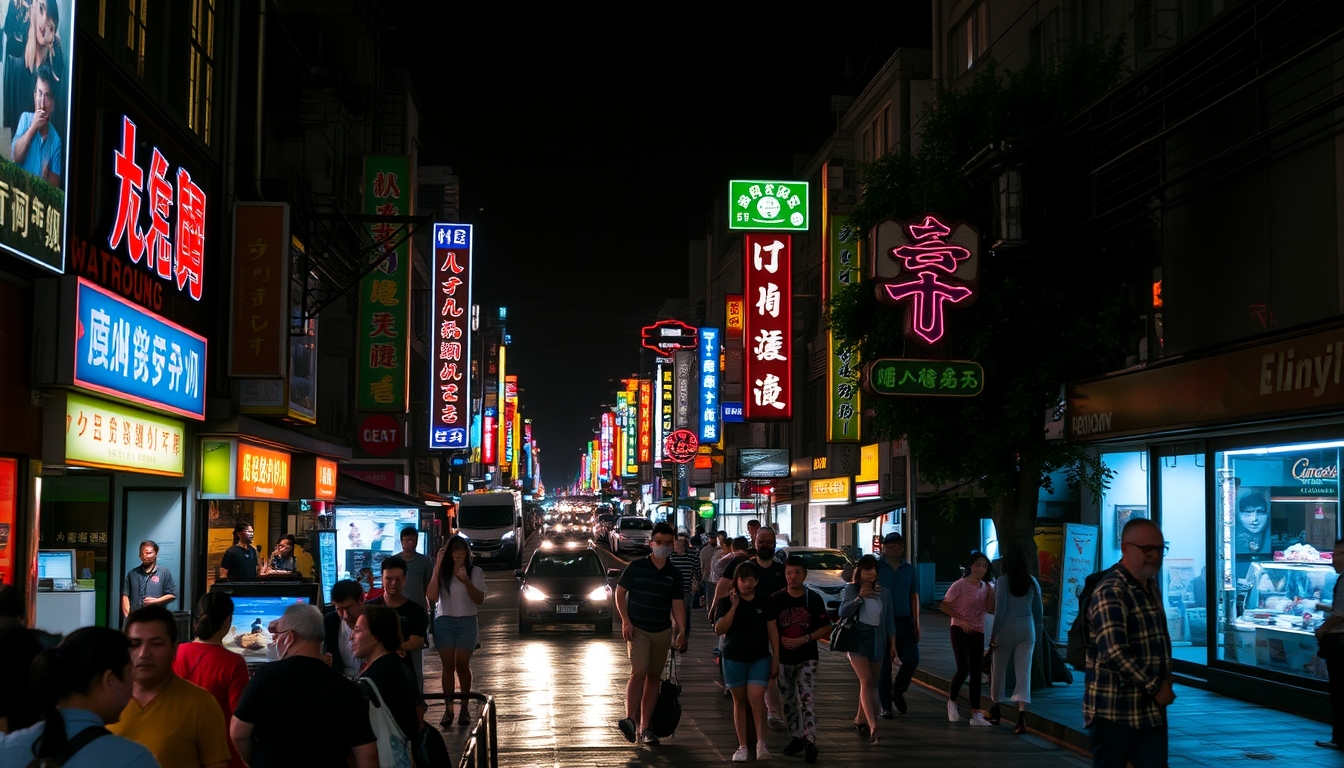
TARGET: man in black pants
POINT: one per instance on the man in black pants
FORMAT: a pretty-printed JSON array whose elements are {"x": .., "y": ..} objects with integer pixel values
[{"x": 902, "y": 579}]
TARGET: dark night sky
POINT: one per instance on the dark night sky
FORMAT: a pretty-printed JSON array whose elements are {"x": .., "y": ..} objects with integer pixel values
[{"x": 590, "y": 150}]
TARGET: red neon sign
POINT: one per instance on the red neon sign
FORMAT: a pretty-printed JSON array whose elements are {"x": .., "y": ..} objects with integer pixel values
[
  {"x": 490, "y": 440},
  {"x": 681, "y": 446},
  {"x": 645, "y": 422},
  {"x": 768, "y": 326},
  {"x": 669, "y": 336},
  {"x": 929, "y": 280}
]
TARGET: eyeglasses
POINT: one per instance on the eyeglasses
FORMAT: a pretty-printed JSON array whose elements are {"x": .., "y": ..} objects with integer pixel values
[{"x": 1151, "y": 549}]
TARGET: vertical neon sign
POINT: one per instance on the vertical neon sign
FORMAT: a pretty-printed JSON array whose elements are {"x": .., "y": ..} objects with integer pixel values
[
  {"x": 937, "y": 270},
  {"x": 768, "y": 328},
  {"x": 450, "y": 382},
  {"x": 708, "y": 378}
]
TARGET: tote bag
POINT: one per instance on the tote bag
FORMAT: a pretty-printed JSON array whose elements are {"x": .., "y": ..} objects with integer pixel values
[{"x": 394, "y": 750}]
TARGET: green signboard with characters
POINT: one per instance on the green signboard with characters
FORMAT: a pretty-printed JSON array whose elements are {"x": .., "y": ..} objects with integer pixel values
[
  {"x": 936, "y": 378},
  {"x": 779, "y": 206},
  {"x": 383, "y": 365}
]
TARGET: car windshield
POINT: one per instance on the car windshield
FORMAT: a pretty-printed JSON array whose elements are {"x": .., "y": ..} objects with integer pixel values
[
  {"x": 636, "y": 524},
  {"x": 823, "y": 561},
  {"x": 491, "y": 516},
  {"x": 584, "y": 564}
]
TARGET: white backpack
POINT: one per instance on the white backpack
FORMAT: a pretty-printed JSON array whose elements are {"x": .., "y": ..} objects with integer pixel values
[{"x": 394, "y": 749}]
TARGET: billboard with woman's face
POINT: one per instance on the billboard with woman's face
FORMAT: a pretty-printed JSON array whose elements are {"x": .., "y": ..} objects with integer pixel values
[{"x": 35, "y": 128}]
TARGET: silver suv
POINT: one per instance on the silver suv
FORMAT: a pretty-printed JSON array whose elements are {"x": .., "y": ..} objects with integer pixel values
[{"x": 630, "y": 533}]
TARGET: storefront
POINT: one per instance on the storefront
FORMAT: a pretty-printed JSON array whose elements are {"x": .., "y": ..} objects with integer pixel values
[{"x": 1237, "y": 457}]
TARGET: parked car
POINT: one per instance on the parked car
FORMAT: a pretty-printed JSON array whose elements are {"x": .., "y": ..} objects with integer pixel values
[
  {"x": 631, "y": 534},
  {"x": 566, "y": 586},
  {"x": 828, "y": 571}
]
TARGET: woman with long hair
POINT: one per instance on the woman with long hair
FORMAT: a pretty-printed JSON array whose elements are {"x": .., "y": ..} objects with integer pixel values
[
  {"x": 457, "y": 590},
  {"x": 968, "y": 601},
  {"x": 84, "y": 683},
  {"x": 207, "y": 663},
  {"x": 875, "y": 626},
  {"x": 1017, "y": 613},
  {"x": 375, "y": 639},
  {"x": 750, "y": 654}
]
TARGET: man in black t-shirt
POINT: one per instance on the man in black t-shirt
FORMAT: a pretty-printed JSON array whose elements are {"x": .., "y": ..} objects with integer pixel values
[
  {"x": 414, "y": 620},
  {"x": 649, "y": 599},
  {"x": 802, "y": 622},
  {"x": 271, "y": 731},
  {"x": 240, "y": 560}
]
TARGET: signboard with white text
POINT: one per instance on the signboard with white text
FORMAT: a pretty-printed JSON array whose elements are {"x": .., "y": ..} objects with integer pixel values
[
  {"x": 103, "y": 434},
  {"x": 450, "y": 371},
  {"x": 767, "y": 370},
  {"x": 767, "y": 205}
]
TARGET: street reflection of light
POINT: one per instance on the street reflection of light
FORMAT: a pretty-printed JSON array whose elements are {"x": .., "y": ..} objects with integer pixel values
[
  {"x": 572, "y": 545},
  {"x": 596, "y": 672},
  {"x": 547, "y": 544}
]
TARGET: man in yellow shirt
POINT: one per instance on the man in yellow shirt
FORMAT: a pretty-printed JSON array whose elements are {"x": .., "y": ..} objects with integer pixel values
[{"x": 179, "y": 722}]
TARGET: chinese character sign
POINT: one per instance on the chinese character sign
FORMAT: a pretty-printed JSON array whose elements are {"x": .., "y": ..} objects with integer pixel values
[
  {"x": 489, "y": 436},
  {"x": 631, "y": 428},
  {"x": 128, "y": 352},
  {"x": 937, "y": 269},
  {"x": 645, "y": 420},
  {"x": 768, "y": 205},
  {"x": 843, "y": 268},
  {"x": 604, "y": 445},
  {"x": 707, "y": 376},
  {"x": 103, "y": 434},
  {"x": 734, "y": 310},
  {"x": 450, "y": 379},
  {"x": 260, "y": 297},
  {"x": 510, "y": 413},
  {"x": 262, "y": 473},
  {"x": 384, "y": 331},
  {"x": 939, "y": 378},
  {"x": 767, "y": 364}
]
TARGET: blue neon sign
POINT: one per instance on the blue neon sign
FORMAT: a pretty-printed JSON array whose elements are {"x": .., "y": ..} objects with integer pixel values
[{"x": 710, "y": 425}]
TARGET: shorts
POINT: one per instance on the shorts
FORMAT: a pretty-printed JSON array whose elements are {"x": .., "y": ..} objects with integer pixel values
[
  {"x": 867, "y": 642},
  {"x": 739, "y": 673},
  {"x": 648, "y": 651},
  {"x": 455, "y": 632}
]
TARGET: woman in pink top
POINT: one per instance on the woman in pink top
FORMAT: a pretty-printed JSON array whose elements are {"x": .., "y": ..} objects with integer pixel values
[
  {"x": 968, "y": 600},
  {"x": 207, "y": 663}
]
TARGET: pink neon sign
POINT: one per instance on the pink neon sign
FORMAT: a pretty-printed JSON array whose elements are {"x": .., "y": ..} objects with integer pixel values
[{"x": 929, "y": 280}]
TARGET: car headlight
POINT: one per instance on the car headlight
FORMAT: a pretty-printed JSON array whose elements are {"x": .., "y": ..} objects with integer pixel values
[
  {"x": 506, "y": 536},
  {"x": 601, "y": 593},
  {"x": 547, "y": 544},
  {"x": 532, "y": 593}
]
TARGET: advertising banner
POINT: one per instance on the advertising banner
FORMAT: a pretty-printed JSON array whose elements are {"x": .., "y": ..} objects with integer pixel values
[
  {"x": 450, "y": 371},
  {"x": 130, "y": 353},
  {"x": 1076, "y": 564},
  {"x": 843, "y": 267},
  {"x": 382, "y": 365},
  {"x": 107, "y": 435},
  {"x": 829, "y": 490},
  {"x": 708, "y": 378},
  {"x": 770, "y": 205},
  {"x": 259, "y": 322},
  {"x": 769, "y": 327},
  {"x": 686, "y": 364},
  {"x": 645, "y": 418},
  {"x": 263, "y": 473},
  {"x": 9, "y": 486},
  {"x": 36, "y": 85},
  {"x": 1050, "y": 549},
  {"x": 734, "y": 316},
  {"x": 365, "y": 536}
]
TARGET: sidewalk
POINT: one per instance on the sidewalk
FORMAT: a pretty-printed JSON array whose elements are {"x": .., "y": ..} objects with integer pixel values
[{"x": 1205, "y": 728}]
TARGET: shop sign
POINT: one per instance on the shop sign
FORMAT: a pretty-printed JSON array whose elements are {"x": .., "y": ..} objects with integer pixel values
[
  {"x": 260, "y": 324},
  {"x": 685, "y": 365},
  {"x": 938, "y": 266},
  {"x": 102, "y": 434},
  {"x": 734, "y": 316},
  {"x": 681, "y": 446},
  {"x": 631, "y": 429},
  {"x": 382, "y": 365},
  {"x": 645, "y": 453},
  {"x": 767, "y": 205},
  {"x": 870, "y": 459},
  {"x": 769, "y": 327},
  {"x": 325, "y": 479},
  {"x": 708, "y": 377},
  {"x": 510, "y": 416},
  {"x": 450, "y": 373},
  {"x": 662, "y": 409},
  {"x": 604, "y": 445},
  {"x": 262, "y": 473},
  {"x": 844, "y": 265},
  {"x": 818, "y": 463},
  {"x": 380, "y": 434},
  {"x": 927, "y": 378},
  {"x": 489, "y": 437},
  {"x": 667, "y": 337},
  {"x": 128, "y": 352},
  {"x": 732, "y": 413},
  {"x": 9, "y": 488},
  {"x": 829, "y": 490},
  {"x": 867, "y": 491},
  {"x": 623, "y": 422},
  {"x": 174, "y": 251}
]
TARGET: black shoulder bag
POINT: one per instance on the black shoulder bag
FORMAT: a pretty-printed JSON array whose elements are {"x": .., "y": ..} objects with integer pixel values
[{"x": 71, "y": 748}]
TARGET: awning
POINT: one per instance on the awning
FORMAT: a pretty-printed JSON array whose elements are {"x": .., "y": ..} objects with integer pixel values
[
  {"x": 862, "y": 511},
  {"x": 352, "y": 490}
]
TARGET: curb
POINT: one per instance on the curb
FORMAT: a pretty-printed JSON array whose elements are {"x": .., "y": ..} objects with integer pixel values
[{"x": 1073, "y": 738}]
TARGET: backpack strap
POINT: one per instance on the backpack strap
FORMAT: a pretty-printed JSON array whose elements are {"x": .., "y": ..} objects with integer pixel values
[{"x": 71, "y": 748}]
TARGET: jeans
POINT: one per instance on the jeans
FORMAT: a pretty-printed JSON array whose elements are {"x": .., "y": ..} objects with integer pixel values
[
  {"x": 907, "y": 648},
  {"x": 968, "y": 648},
  {"x": 1115, "y": 745}
]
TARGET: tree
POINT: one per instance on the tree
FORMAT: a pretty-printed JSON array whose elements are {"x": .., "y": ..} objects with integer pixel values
[{"x": 1051, "y": 309}]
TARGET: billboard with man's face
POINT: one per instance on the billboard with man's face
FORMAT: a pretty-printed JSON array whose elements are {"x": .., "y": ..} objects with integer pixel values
[{"x": 35, "y": 128}]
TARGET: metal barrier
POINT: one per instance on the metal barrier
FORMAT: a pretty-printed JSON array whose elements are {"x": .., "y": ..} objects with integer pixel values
[{"x": 481, "y": 749}]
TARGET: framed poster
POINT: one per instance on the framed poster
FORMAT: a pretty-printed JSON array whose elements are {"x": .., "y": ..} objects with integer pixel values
[{"x": 1125, "y": 513}]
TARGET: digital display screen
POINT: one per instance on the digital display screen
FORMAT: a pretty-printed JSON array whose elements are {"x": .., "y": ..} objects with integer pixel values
[
  {"x": 249, "y": 636},
  {"x": 58, "y": 565}
]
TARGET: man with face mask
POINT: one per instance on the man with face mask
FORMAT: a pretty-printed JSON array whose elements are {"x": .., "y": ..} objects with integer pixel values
[
  {"x": 269, "y": 730},
  {"x": 649, "y": 600}
]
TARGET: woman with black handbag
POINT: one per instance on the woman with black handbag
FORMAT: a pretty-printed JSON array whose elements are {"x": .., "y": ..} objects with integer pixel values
[{"x": 874, "y": 628}]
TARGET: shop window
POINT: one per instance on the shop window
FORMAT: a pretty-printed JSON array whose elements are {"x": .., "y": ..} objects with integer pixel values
[
  {"x": 1181, "y": 487},
  {"x": 137, "y": 30},
  {"x": 1126, "y": 497},
  {"x": 1277, "y": 519},
  {"x": 201, "y": 75}
]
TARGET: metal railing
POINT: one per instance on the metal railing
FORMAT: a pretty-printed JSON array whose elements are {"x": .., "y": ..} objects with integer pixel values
[{"x": 481, "y": 749}]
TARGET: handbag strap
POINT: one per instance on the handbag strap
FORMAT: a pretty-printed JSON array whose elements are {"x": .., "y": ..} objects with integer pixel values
[{"x": 71, "y": 748}]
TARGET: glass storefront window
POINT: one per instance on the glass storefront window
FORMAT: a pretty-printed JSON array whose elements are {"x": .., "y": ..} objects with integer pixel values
[
  {"x": 1181, "y": 484},
  {"x": 1277, "y": 518},
  {"x": 1126, "y": 497}
]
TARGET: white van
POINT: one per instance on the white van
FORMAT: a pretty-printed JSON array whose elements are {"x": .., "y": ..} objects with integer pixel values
[{"x": 493, "y": 523}]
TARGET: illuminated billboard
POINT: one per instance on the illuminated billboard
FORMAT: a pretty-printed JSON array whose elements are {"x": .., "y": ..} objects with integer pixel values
[
  {"x": 767, "y": 369},
  {"x": 450, "y": 372},
  {"x": 779, "y": 206}
]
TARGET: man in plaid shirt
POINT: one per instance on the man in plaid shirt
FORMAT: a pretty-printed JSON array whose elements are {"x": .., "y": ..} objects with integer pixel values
[{"x": 1129, "y": 656}]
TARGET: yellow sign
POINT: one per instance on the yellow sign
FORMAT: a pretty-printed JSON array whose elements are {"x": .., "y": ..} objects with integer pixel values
[
  {"x": 819, "y": 463},
  {"x": 868, "y": 464},
  {"x": 829, "y": 490},
  {"x": 107, "y": 435}
]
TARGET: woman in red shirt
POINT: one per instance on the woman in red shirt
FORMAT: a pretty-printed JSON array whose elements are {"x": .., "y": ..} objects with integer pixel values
[{"x": 207, "y": 663}]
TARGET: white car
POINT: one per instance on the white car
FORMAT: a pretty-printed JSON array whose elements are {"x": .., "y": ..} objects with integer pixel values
[
  {"x": 630, "y": 533},
  {"x": 828, "y": 572}
]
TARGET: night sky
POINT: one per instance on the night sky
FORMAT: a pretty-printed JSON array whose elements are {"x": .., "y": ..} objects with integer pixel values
[{"x": 590, "y": 150}]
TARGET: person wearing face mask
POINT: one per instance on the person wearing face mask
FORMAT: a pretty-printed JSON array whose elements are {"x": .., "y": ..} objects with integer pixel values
[
  {"x": 648, "y": 598},
  {"x": 271, "y": 732},
  {"x": 771, "y": 580},
  {"x": 85, "y": 683}
]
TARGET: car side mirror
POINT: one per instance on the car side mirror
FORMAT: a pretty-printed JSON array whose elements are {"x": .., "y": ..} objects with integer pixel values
[{"x": 517, "y": 574}]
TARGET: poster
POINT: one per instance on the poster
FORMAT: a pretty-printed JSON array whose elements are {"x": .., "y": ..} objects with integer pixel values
[
  {"x": 1049, "y": 548},
  {"x": 9, "y": 480},
  {"x": 1078, "y": 561},
  {"x": 365, "y": 536}
]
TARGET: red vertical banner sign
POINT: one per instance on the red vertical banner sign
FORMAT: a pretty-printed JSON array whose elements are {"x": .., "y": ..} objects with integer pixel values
[
  {"x": 645, "y": 421},
  {"x": 490, "y": 439},
  {"x": 605, "y": 445},
  {"x": 9, "y": 505},
  {"x": 260, "y": 338},
  {"x": 768, "y": 327},
  {"x": 450, "y": 368}
]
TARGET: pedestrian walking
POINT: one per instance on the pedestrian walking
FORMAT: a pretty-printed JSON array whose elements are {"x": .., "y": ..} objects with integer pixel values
[
  {"x": 968, "y": 601},
  {"x": 747, "y": 622},
  {"x": 376, "y": 637},
  {"x": 1017, "y": 614},
  {"x": 457, "y": 590},
  {"x": 649, "y": 600},
  {"x": 901, "y": 580},
  {"x": 414, "y": 619},
  {"x": 735, "y": 552},
  {"x": 1129, "y": 684},
  {"x": 207, "y": 663},
  {"x": 875, "y": 625},
  {"x": 419, "y": 568},
  {"x": 687, "y": 564},
  {"x": 771, "y": 580},
  {"x": 714, "y": 546},
  {"x": 347, "y": 605},
  {"x": 801, "y": 621},
  {"x": 1330, "y": 641}
]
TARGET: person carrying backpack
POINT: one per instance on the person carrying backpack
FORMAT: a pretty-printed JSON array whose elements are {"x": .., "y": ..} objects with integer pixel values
[{"x": 801, "y": 623}]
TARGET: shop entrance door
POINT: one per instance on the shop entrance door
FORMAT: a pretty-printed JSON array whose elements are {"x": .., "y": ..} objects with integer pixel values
[{"x": 1182, "y": 482}]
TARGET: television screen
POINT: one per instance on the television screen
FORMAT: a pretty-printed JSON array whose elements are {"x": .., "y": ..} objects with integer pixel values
[
  {"x": 58, "y": 565},
  {"x": 763, "y": 463},
  {"x": 252, "y": 614}
]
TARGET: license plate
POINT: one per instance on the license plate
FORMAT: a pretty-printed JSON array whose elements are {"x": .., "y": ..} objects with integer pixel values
[{"x": 566, "y": 609}]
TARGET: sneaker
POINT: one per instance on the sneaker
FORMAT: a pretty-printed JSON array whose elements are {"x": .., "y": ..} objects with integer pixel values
[
  {"x": 978, "y": 718},
  {"x": 952, "y": 713},
  {"x": 740, "y": 756},
  {"x": 886, "y": 714},
  {"x": 794, "y": 747},
  {"x": 899, "y": 700},
  {"x": 762, "y": 751},
  {"x": 648, "y": 737},
  {"x": 775, "y": 722},
  {"x": 810, "y": 752},
  {"x": 627, "y": 727}
]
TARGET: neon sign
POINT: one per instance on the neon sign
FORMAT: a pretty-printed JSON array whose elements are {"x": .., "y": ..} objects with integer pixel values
[
  {"x": 668, "y": 336},
  {"x": 450, "y": 384},
  {"x": 709, "y": 386},
  {"x": 768, "y": 326},
  {"x": 178, "y": 256},
  {"x": 936, "y": 273}
]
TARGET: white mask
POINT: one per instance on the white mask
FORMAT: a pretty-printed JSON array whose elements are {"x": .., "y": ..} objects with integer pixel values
[{"x": 662, "y": 551}]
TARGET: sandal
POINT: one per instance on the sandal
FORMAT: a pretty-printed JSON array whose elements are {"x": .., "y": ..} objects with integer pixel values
[
  {"x": 863, "y": 730},
  {"x": 1021, "y": 726}
]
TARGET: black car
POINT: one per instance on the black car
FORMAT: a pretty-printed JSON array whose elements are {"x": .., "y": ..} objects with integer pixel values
[{"x": 566, "y": 585}]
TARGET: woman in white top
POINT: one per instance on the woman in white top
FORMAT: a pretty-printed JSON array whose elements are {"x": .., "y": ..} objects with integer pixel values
[
  {"x": 456, "y": 591},
  {"x": 875, "y": 626}
]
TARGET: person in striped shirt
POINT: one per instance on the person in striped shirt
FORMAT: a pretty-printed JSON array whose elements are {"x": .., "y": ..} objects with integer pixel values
[{"x": 687, "y": 562}]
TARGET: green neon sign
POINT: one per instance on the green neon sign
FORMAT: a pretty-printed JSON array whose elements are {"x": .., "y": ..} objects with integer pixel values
[
  {"x": 767, "y": 205},
  {"x": 928, "y": 378}
]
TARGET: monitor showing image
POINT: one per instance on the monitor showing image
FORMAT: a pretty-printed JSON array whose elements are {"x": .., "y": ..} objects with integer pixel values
[
  {"x": 763, "y": 463},
  {"x": 57, "y": 565},
  {"x": 255, "y": 606}
]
